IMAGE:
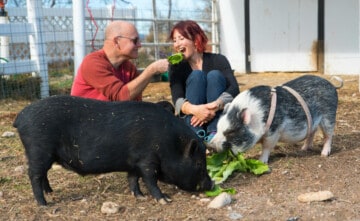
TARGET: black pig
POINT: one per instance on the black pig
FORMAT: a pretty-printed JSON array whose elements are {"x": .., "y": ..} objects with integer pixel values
[{"x": 93, "y": 137}]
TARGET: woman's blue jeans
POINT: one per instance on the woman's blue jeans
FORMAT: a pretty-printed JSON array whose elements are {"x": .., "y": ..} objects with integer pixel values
[{"x": 202, "y": 88}]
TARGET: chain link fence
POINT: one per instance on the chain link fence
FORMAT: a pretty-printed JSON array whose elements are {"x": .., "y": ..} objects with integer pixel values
[{"x": 57, "y": 31}]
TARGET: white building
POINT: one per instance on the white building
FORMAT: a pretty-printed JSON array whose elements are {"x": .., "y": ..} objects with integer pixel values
[{"x": 291, "y": 35}]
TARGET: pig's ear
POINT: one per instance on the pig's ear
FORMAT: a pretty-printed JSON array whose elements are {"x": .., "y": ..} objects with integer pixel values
[
  {"x": 190, "y": 148},
  {"x": 245, "y": 115}
]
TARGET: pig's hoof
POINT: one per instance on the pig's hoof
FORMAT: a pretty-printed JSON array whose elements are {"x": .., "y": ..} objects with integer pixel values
[
  {"x": 325, "y": 151},
  {"x": 165, "y": 200},
  {"x": 306, "y": 147},
  {"x": 325, "y": 154},
  {"x": 141, "y": 197},
  {"x": 162, "y": 201},
  {"x": 269, "y": 171}
]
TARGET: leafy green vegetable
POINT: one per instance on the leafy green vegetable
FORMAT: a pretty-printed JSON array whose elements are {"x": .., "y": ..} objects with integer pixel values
[
  {"x": 217, "y": 190},
  {"x": 217, "y": 159},
  {"x": 221, "y": 165},
  {"x": 175, "y": 58},
  {"x": 257, "y": 167}
]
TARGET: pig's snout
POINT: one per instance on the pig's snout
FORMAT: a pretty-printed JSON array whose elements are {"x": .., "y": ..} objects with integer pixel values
[
  {"x": 212, "y": 185},
  {"x": 215, "y": 144},
  {"x": 226, "y": 146},
  {"x": 205, "y": 185},
  {"x": 219, "y": 145}
]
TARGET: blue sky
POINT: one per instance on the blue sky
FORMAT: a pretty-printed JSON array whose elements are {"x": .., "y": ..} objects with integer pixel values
[
  {"x": 147, "y": 4},
  {"x": 183, "y": 9},
  {"x": 140, "y": 4}
]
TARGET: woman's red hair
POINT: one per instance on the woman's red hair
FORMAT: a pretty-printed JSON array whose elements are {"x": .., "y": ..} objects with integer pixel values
[{"x": 192, "y": 31}]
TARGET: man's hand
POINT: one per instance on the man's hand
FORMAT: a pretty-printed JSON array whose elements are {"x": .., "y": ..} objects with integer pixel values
[{"x": 159, "y": 66}]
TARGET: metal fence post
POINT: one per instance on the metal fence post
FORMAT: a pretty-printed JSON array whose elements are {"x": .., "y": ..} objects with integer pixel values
[
  {"x": 79, "y": 33},
  {"x": 155, "y": 27},
  {"x": 4, "y": 40},
  {"x": 37, "y": 44}
]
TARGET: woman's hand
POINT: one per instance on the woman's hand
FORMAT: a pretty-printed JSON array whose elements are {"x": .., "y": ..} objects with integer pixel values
[{"x": 203, "y": 113}]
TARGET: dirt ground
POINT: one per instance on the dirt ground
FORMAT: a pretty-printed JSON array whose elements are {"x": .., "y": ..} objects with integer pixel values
[{"x": 271, "y": 196}]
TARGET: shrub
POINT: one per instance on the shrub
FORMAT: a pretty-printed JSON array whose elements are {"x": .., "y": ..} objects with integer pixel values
[{"x": 22, "y": 86}]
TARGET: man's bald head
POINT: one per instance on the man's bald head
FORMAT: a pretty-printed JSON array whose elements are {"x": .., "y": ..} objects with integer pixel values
[{"x": 117, "y": 28}]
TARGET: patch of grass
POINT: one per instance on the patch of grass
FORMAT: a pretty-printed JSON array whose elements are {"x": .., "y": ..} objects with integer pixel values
[
  {"x": 22, "y": 86},
  {"x": 59, "y": 72},
  {"x": 27, "y": 87},
  {"x": 84, "y": 179},
  {"x": 4, "y": 180},
  {"x": 61, "y": 87},
  {"x": 60, "y": 79},
  {"x": 22, "y": 187}
]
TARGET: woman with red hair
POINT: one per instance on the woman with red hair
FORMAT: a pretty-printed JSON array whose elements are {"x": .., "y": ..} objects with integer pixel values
[{"x": 202, "y": 83}]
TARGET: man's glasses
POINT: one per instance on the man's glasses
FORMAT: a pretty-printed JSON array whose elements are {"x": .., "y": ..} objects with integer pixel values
[{"x": 134, "y": 40}]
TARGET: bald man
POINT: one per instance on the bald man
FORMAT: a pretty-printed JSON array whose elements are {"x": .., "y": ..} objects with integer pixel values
[{"x": 108, "y": 74}]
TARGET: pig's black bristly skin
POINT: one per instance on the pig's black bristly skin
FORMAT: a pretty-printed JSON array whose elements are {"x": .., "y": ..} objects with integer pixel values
[{"x": 91, "y": 137}]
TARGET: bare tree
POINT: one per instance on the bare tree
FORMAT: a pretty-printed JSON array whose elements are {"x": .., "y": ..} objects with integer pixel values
[
  {"x": 22, "y": 3},
  {"x": 169, "y": 14}
]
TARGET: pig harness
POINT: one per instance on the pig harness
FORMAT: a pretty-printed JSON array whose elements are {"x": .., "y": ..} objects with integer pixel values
[{"x": 300, "y": 100}]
